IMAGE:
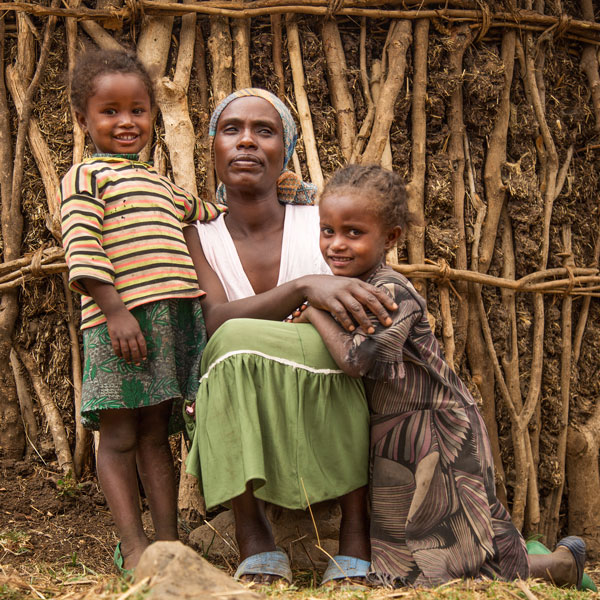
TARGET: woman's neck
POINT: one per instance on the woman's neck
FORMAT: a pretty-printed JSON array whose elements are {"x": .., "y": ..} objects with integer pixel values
[{"x": 248, "y": 215}]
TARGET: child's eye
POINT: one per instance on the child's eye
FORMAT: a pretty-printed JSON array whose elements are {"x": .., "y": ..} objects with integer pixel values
[
  {"x": 109, "y": 111},
  {"x": 326, "y": 230},
  {"x": 138, "y": 111},
  {"x": 355, "y": 232}
]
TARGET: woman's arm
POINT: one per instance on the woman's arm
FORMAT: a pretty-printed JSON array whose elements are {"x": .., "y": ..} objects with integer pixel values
[{"x": 345, "y": 298}]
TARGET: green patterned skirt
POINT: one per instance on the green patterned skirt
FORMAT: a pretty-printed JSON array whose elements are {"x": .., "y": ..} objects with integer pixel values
[
  {"x": 175, "y": 337},
  {"x": 273, "y": 408}
]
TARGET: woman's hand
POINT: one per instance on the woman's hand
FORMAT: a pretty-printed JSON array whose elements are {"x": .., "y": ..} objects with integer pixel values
[{"x": 346, "y": 299}]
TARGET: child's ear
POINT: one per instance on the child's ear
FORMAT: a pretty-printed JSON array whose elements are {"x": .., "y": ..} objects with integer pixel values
[
  {"x": 81, "y": 120},
  {"x": 392, "y": 237}
]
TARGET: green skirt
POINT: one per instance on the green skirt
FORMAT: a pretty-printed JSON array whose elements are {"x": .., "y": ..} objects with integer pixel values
[
  {"x": 273, "y": 408},
  {"x": 175, "y": 337}
]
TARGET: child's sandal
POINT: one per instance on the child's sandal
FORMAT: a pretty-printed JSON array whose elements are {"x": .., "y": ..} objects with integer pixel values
[{"x": 119, "y": 561}]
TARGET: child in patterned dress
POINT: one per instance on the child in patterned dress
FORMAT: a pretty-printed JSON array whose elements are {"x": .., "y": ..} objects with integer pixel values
[
  {"x": 434, "y": 512},
  {"x": 142, "y": 324}
]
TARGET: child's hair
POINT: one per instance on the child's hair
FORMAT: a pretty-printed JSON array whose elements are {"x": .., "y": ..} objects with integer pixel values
[
  {"x": 385, "y": 189},
  {"x": 94, "y": 63}
]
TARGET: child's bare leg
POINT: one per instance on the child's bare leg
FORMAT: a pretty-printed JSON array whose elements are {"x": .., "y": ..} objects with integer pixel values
[
  {"x": 155, "y": 466},
  {"x": 253, "y": 531},
  {"x": 118, "y": 477},
  {"x": 354, "y": 528}
]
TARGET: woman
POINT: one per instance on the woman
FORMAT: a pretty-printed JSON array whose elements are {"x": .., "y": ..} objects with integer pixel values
[
  {"x": 275, "y": 419},
  {"x": 298, "y": 432}
]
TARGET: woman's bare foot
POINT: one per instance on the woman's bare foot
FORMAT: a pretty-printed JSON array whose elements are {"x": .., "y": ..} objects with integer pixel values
[{"x": 253, "y": 534}]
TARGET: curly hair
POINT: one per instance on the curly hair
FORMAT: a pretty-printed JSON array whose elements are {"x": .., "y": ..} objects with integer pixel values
[
  {"x": 94, "y": 63},
  {"x": 384, "y": 191}
]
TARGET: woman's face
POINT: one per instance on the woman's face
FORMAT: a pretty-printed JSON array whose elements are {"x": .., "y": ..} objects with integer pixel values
[{"x": 248, "y": 146}]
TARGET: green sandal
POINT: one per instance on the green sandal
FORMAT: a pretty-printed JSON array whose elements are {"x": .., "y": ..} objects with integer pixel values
[{"x": 119, "y": 561}]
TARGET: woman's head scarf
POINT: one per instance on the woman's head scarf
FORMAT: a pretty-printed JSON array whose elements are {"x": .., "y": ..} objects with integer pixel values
[{"x": 290, "y": 187}]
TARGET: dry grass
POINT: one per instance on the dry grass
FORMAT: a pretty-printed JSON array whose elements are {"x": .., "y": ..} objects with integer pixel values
[{"x": 79, "y": 582}]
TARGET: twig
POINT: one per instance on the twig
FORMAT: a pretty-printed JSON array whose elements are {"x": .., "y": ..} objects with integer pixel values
[
  {"x": 338, "y": 86},
  {"x": 51, "y": 412},
  {"x": 308, "y": 134},
  {"x": 415, "y": 240}
]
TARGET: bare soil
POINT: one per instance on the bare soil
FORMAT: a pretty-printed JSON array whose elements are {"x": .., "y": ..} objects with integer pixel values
[{"x": 45, "y": 517}]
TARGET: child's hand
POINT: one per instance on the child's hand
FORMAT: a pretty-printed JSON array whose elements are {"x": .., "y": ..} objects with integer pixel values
[
  {"x": 126, "y": 337},
  {"x": 302, "y": 315}
]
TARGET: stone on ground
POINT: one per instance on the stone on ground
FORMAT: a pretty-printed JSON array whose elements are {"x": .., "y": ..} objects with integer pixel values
[
  {"x": 176, "y": 572},
  {"x": 293, "y": 529}
]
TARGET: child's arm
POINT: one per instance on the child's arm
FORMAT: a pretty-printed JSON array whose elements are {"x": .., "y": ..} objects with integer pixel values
[
  {"x": 377, "y": 354},
  {"x": 125, "y": 334},
  {"x": 338, "y": 341}
]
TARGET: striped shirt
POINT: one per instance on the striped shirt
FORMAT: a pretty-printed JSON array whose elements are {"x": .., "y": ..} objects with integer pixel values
[{"x": 122, "y": 224}]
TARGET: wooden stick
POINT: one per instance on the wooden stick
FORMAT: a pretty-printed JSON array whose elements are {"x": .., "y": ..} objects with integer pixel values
[
  {"x": 221, "y": 55},
  {"x": 518, "y": 17},
  {"x": 495, "y": 190},
  {"x": 447, "y": 325},
  {"x": 554, "y": 502},
  {"x": 308, "y": 134},
  {"x": 365, "y": 129},
  {"x": 376, "y": 82},
  {"x": 277, "y": 53},
  {"x": 25, "y": 404},
  {"x": 51, "y": 412},
  {"x": 341, "y": 98},
  {"x": 40, "y": 151},
  {"x": 460, "y": 41},
  {"x": 241, "y": 53},
  {"x": 203, "y": 102},
  {"x": 399, "y": 39},
  {"x": 83, "y": 438},
  {"x": 172, "y": 99},
  {"x": 71, "y": 29},
  {"x": 415, "y": 240}
]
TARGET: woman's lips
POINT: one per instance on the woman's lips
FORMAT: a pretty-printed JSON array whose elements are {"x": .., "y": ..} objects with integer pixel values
[{"x": 245, "y": 160}]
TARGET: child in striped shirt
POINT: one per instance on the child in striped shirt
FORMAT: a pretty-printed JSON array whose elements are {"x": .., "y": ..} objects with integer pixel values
[{"x": 143, "y": 330}]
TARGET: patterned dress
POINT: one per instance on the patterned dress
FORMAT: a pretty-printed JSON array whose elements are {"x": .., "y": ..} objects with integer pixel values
[{"x": 434, "y": 513}]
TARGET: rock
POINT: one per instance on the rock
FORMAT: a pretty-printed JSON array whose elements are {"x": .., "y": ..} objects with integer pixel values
[
  {"x": 176, "y": 572},
  {"x": 293, "y": 529}
]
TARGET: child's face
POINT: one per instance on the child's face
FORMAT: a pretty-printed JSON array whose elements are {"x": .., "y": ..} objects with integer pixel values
[
  {"x": 118, "y": 114},
  {"x": 353, "y": 238}
]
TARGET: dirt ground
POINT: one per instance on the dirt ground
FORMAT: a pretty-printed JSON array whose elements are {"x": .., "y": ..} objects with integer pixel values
[
  {"x": 45, "y": 517},
  {"x": 57, "y": 541}
]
